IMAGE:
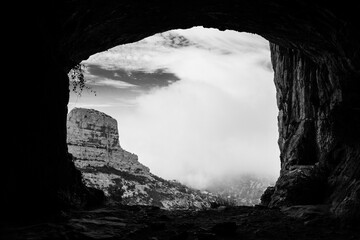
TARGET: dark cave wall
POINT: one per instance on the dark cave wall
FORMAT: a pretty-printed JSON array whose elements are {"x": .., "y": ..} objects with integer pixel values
[
  {"x": 38, "y": 176},
  {"x": 315, "y": 55},
  {"x": 318, "y": 133}
]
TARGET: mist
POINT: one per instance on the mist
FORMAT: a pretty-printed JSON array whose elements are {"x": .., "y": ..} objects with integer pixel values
[{"x": 195, "y": 105}]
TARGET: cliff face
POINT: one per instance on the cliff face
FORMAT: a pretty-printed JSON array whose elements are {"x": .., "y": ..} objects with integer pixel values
[
  {"x": 318, "y": 134},
  {"x": 315, "y": 51},
  {"x": 93, "y": 139}
]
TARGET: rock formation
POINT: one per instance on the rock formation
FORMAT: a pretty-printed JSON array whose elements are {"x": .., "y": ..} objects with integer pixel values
[
  {"x": 316, "y": 59},
  {"x": 93, "y": 141},
  {"x": 318, "y": 127}
]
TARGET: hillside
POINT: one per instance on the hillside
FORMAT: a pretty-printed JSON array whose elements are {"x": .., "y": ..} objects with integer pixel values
[{"x": 93, "y": 140}]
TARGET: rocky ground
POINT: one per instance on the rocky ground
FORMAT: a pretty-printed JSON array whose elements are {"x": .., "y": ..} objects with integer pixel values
[{"x": 153, "y": 223}]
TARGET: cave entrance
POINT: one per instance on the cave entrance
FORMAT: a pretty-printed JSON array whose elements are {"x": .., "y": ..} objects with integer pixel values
[{"x": 196, "y": 105}]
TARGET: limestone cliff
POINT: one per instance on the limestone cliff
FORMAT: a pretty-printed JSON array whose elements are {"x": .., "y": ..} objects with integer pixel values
[{"x": 93, "y": 140}]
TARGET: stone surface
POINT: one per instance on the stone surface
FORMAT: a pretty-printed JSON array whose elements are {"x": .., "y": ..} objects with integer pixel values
[
  {"x": 307, "y": 212},
  {"x": 317, "y": 148},
  {"x": 93, "y": 140},
  {"x": 299, "y": 185},
  {"x": 143, "y": 222}
]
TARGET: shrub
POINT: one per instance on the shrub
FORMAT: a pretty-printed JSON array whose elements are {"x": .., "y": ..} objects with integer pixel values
[
  {"x": 116, "y": 192},
  {"x": 77, "y": 79}
]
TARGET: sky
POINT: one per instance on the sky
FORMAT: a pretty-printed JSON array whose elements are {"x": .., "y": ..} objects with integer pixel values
[{"x": 194, "y": 104}]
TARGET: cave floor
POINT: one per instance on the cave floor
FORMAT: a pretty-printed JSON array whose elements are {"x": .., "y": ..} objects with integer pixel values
[{"x": 152, "y": 223}]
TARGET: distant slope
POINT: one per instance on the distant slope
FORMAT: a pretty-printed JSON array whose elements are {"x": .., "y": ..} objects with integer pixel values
[{"x": 241, "y": 190}]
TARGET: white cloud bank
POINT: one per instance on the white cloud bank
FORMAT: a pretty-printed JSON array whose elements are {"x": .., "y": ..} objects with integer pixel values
[{"x": 218, "y": 120}]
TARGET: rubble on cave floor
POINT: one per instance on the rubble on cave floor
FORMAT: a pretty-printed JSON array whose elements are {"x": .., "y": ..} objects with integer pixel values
[{"x": 152, "y": 223}]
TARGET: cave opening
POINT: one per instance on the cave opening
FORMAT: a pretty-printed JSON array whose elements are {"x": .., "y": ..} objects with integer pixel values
[
  {"x": 315, "y": 55},
  {"x": 196, "y": 105}
]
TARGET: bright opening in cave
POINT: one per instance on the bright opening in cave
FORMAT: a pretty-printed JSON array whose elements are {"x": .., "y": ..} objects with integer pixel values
[{"x": 196, "y": 105}]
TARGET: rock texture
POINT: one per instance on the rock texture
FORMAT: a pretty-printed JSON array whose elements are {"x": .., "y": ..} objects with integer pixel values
[
  {"x": 317, "y": 133},
  {"x": 93, "y": 141},
  {"x": 144, "y": 222},
  {"x": 316, "y": 58}
]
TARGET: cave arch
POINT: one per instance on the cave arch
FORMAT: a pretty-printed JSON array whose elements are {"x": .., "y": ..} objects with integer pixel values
[{"x": 315, "y": 57}]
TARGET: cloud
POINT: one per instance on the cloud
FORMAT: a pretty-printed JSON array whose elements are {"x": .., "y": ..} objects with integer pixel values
[
  {"x": 156, "y": 52},
  {"x": 84, "y": 105},
  {"x": 219, "y": 120},
  {"x": 112, "y": 83},
  {"x": 204, "y": 105},
  {"x": 120, "y": 77}
]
